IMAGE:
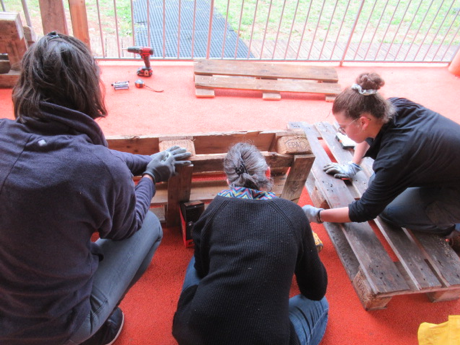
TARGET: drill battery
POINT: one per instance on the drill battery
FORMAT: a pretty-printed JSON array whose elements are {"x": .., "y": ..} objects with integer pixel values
[{"x": 121, "y": 85}]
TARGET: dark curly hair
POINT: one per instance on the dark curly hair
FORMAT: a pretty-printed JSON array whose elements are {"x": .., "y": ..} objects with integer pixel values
[
  {"x": 58, "y": 69},
  {"x": 353, "y": 104}
]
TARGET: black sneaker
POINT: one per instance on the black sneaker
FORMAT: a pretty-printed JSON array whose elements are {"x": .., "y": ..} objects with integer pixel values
[{"x": 109, "y": 331}]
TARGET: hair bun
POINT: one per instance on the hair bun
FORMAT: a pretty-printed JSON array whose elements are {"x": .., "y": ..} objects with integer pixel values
[{"x": 370, "y": 81}]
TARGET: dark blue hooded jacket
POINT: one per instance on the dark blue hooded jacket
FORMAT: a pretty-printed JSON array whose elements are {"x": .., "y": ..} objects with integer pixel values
[{"x": 59, "y": 184}]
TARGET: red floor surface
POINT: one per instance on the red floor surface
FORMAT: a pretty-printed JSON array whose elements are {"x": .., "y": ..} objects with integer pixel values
[{"x": 150, "y": 305}]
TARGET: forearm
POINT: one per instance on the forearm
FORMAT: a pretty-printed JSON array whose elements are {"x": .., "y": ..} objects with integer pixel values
[
  {"x": 136, "y": 163},
  {"x": 360, "y": 151},
  {"x": 335, "y": 215}
]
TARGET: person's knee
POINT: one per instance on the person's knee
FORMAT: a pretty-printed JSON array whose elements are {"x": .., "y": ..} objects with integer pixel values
[{"x": 152, "y": 223}]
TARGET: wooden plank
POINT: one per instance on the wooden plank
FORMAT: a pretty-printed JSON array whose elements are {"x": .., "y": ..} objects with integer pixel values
[
  {"x": 204, "y": 93},
  {"x": 77, "y": 9},
  {"x": 280, "y": 85},
  {"x": 297, "y": 176},
  {"x": 12, "y": 39},
  {"x": 263, "y": 69},
  {"x": 205, "y": 143},
  {"x": 381, "y": 273},
  {"x": 444, "y": 260},
  {"x": 179, "y": 189},
  {"x": 53, "y": 16}
]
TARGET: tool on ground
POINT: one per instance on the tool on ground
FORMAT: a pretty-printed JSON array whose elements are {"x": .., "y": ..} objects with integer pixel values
[
  {"x": 140, "y": 84},
  {"x": 121, "y": 85},
  {"x": 145, "y": 53}
]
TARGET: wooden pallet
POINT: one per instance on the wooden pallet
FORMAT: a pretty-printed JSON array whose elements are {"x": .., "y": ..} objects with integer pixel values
[
  {"x": 12, "y": 42},
  {"x": 287, "y": 152},
  {"x": 270, "y": 78},
  {"x": 424, "y": 263}
]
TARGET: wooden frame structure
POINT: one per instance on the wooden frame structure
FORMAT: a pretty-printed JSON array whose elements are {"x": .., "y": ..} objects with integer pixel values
[
  {"x": 270, "y": 78},
  {"x": 380, "y": 266},
  {"x": 286, "y": 151}
]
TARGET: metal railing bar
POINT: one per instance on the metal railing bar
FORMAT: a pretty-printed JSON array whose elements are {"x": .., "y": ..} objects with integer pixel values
[
  {"x": 428, "y": 31},
  {"x": 365, "y": 27},
  {"x": 418, "y": 30},
  {"x": 397, "y": 30},
  {"x": 164, "y": 28},
  {"x": 265, "y": 32},
  {"x": 179, "y": 28},
  {"x": 340, "y": 28},
  {"x": 304, "y": 28},
  {"x": 132, "y": 22},
  {"x": 437, "y": 32},
  {"x": 290, "y": 31},
  {"x": 25, "y": 8},
  {"x": 239, "y": 29},
  {"x": 100, "y": 28},
  {"x": 279, "y": 28},
  {"x": 445, "y": 36},
  {"x": 375, "y": 31},
  {"x": 327, "y": 32},
  {"x": 408, "y": 29},
  {"x": 225, "y": 29},
  {"x": 316, "y": 29},
  {"x": 211, "y": 15},
  {"x": 116, "y": 27},
  {"x": 353, "y": 30},
  {"x": 386, "y": 31},
  {"x": 453, "y": 38},
  {"x": 193, "y": 29},
  {"x": 252, "y": 29}
]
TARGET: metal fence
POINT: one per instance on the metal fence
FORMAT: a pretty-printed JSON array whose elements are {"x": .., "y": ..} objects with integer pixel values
[{"x": 291, "y": 30}]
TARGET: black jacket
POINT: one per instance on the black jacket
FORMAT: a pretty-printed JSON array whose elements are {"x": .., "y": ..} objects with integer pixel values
[{"x": 417, "y": 148}]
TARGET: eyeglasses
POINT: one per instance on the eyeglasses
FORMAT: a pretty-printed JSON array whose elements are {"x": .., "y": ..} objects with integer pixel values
[{"x": 341, "y": 129}]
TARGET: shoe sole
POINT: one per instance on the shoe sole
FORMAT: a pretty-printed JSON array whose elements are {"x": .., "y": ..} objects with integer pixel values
[{"x": 119, "y": 331}]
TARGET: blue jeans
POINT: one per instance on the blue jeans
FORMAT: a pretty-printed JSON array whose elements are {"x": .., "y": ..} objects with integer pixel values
[
  {"x": 425, "y": 209},
  {"x": 123, "y": 264},
  {"x": 308, "y": 317}
]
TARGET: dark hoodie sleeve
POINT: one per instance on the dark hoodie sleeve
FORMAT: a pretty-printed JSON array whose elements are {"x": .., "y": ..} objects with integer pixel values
[{"x": 135, "y": 163}]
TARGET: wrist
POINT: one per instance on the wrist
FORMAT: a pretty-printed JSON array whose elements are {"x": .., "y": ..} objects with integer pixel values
[
  {"x": 318, "y": 216},
  {"x": 149, "y": 176}
]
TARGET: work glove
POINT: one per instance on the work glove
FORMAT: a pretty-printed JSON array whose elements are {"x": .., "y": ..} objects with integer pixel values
[
  {"x": 312, "y": 213},
  {"x": 342, "y": 171},
  {"x": 163, "y": 164}
]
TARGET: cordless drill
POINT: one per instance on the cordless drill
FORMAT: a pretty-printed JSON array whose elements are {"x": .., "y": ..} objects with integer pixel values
[{"x": 145, "y": 53}]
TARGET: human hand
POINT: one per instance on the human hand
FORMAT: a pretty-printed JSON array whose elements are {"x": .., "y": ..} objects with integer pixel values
[
  {"x": 313, "y": 213},
  {"x": 163, "y": 164},
  {"x": 342, "y": 171}
]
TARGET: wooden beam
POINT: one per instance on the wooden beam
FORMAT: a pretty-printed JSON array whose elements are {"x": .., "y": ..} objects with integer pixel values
[
  {"x": 79, "y": 21},
  {"x": 53, "y": 16}
]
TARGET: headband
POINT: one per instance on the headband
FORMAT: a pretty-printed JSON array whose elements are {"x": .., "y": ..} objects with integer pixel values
[{"x": 363, "y": 92}]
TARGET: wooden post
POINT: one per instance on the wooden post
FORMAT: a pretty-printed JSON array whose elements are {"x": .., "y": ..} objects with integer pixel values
[
  {"x": 79, "y": 21},
  {"x": 53, "y": 16}
]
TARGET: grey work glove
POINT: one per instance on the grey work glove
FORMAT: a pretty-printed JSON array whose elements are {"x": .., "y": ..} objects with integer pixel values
[
  {"x": 342, "y": 171},
  {"x": 312, "y": 213},
  {"x": 163, "y": 164}
]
